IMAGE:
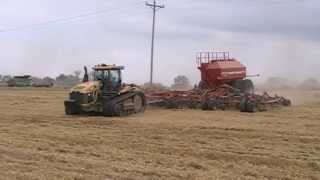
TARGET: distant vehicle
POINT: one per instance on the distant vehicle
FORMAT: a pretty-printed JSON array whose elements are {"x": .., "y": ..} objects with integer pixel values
[
  {"x": 20, "y": 81},
  {"x": 43, "y": 84},
  {"x": 105, "y": 94},
  {"x": 26, "y": 81}
]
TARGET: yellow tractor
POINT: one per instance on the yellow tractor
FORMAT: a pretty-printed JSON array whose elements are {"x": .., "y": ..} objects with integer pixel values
[{"x": 106, "y": 94}]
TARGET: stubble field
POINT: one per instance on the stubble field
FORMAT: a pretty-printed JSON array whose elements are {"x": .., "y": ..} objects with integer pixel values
[{"x": 37, "y": 141}]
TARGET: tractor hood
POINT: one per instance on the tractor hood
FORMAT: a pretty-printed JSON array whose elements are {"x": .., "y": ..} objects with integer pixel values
[{"x": 86, "y": 87}]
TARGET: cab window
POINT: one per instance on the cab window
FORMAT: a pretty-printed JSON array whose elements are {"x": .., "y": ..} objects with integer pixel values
[
  {"x": 101, "y": 75},
  {"x": 115, "y": 76}
]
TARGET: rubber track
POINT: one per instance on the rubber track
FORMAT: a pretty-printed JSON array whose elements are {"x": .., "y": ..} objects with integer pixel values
[{"x": 109, "y": 108}]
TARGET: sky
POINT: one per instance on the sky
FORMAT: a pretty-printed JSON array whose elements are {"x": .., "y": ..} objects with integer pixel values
[{"x": 271, "y": 37}]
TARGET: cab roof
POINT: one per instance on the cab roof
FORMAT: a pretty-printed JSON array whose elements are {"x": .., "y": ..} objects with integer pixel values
[
  {"x": 22, "y": 77},
  {"x": 107, "y": 67}
]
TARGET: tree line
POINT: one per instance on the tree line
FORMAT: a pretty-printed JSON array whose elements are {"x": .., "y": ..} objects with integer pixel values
[{"x": 64, "y": 80}]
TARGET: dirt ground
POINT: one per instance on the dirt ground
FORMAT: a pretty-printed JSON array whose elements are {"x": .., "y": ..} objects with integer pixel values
[{"x": 37, "y": 141}]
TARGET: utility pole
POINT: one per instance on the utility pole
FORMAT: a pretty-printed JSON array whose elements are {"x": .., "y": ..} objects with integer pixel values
[{"x": 154, "y": 7}]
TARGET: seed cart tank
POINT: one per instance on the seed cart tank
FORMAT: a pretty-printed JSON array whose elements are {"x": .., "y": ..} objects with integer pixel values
[{"x": 217, "y": 68}]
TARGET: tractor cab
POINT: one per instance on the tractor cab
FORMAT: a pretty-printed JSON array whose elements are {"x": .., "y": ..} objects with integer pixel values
[{"x": 109, "y": 76}]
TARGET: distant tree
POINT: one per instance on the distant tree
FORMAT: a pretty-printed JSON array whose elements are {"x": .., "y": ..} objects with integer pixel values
[
  {"x": 277, "y": 83},
  {"x": 6, "y": 78},
  {"x": 36, "y": 79},
  {"x": 154, "y": 87},
  {"x": 48, "y": 79},
  {"x": 311, "y": 81},
  {"x": 62, "y": 77},
  {"x": 181, "y": 83},
  {"x": 91, "y": 75},
  {"x": 67, "y": 80},
  {"x": 77, "y": 73}
]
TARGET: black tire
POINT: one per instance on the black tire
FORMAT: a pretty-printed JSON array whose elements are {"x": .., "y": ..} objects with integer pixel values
[
  {"x": 252, "y": 107},
  {"x": 286, "y": 102},
  {"x": 245, "y": 86},
  {"x": 204, "y": 106},
  {"x": 172, "y": 104},
  {"x": 203, "y": 85},
  {"x": 212, "y": 104},
  {"x": 243, "y": 105},
  {"x": 119, "y": 111},
  {"x": 71, "y": 109},
  {"x": 248, "y": 106}
]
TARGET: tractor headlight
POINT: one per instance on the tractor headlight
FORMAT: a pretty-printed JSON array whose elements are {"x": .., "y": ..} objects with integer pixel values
[{"x": 90, "y": 97}]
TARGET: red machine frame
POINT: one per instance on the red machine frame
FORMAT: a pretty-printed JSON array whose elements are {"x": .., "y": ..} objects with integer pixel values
[{"x": 219, "y": 68}]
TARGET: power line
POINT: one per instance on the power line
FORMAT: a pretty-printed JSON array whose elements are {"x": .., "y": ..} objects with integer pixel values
[
  {"x": 66, "y": 19},
  {"x": 154, "y": 7}
]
